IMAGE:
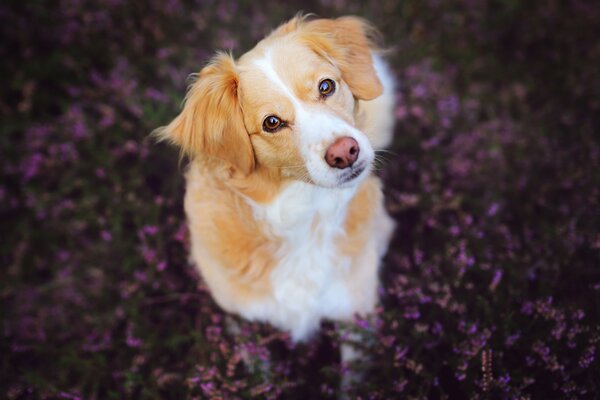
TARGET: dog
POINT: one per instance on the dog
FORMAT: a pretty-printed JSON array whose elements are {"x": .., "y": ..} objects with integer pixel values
[{"x": 286, "y": 218}]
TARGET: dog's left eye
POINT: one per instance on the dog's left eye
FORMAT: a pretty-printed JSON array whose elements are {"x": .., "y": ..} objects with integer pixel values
[{"x": 326, "y": 87}]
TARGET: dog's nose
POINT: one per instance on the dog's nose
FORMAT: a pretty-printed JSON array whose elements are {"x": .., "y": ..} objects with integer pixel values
[{"x": 342, "y": 153}]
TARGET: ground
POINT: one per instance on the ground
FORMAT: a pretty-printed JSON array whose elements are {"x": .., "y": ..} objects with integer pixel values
[{"x": 491, "y": 288}]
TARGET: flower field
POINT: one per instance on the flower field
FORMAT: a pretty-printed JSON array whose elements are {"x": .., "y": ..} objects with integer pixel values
[{"x": 491, "y": 286}]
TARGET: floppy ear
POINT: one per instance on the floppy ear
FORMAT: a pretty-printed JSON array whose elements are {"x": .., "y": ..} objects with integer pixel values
[
  {"x": 211, "y": 122},
  {"x": 347, "y": 42}
]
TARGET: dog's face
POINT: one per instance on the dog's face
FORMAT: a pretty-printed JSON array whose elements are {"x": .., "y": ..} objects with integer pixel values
[{"x": 286, "y": 108}]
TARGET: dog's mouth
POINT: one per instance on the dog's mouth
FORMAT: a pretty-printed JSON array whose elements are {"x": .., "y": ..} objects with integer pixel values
[{"x": 352, "y": 173}]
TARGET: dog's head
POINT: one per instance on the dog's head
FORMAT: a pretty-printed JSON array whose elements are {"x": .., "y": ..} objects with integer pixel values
[{"x": 286, "y": 109}]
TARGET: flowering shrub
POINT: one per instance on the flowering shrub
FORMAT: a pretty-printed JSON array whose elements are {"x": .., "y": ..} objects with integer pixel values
[{"x": 491, "y": 287}]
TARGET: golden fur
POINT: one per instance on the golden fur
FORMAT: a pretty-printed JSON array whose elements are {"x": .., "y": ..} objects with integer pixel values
[{"x": 235, "y": 165}]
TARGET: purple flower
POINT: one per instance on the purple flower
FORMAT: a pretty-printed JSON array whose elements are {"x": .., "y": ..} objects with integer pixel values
[
  {"x": 31, "y": 166},
  {"x": 527, "y": 308},
  {"x": 105, "y": 235},
  {"x": 161, "y": 266},
  {"x": 495, "y": 280},
  {"x": 411, "y": 313},
  {"x": 133, "y": 341},
  {"x": 156, "y": 95},
  {"x": 149, "y": 255},
  {"x": 66, "y": 395},
  {"x": 150, "y": 230},
  {"x": 588, "y": 357},
  {"x": 419, "y": 91},
  {"x": 493, "y": 209},
  {"x": 510, "y": 340},
  {"x": 207, "y": 388}
]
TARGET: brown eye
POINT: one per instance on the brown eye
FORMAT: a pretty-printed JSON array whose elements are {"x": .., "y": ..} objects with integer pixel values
[
  {"x": 272, "y": 123},
  {"x": 326, "y": 87}
]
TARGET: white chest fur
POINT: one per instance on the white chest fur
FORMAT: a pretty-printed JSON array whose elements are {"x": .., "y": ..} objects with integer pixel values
[{"x": 308, "y": 283}]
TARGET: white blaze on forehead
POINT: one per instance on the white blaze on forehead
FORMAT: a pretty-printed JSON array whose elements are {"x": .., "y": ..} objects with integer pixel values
[
  {"x": 305, "y": 119},
  {"x": 265, "y": 64}
]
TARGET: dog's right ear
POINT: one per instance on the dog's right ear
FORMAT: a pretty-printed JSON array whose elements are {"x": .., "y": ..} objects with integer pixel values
[{"x": 211, "y": 122}]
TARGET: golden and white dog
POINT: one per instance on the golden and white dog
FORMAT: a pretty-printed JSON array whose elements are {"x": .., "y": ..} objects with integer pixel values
[{"x": 286, "y": 219}]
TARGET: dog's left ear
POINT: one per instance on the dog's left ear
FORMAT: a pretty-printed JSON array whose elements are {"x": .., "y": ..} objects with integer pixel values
[
  {"x": 347, "y": 41},
  {"x": 211, "y": 122}
]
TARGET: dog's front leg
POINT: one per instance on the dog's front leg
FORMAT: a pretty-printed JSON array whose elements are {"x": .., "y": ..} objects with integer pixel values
[{"x": 354, "y": 353}]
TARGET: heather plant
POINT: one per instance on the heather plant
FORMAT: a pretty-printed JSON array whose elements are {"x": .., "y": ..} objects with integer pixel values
[{"x": 490, "y": 289}]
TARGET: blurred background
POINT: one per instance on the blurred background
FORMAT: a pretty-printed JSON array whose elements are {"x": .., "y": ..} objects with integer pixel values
[{"x": 491, "y": 288}]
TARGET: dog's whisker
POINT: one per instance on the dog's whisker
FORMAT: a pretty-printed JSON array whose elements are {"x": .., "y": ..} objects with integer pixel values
[
  {"x": 381, "y": 159},
  {"x": 387, "y": 151}
]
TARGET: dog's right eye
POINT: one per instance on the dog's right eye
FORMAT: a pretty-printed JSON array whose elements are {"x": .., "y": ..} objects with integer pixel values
[{"x": 272, "y": 123}]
